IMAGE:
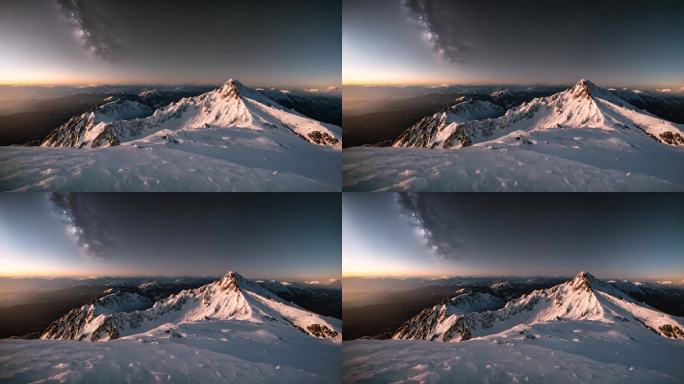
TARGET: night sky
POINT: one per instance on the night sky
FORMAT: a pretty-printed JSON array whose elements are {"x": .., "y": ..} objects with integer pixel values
[
  {"x": 269, "y": 235},
  {"x": 261, "y": 42},
  {"x": 608, "y": 235},
  {"x": 612, "y": 42}
]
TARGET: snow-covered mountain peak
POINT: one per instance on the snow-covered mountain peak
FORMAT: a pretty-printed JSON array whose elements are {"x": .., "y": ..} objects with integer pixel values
[
  {"x": 584, "y": 280},
  {"x": 585, "y": 108},
  {"x": 434, "y": 130},
  {"x": 212, "y": 118},
  {"x": 83, "y": 130},
  {"x": 76, "y": 324},
  {"x": 582, "y": 298},
  {"x": 231, "y": 298},
  {"x": 584, "y": 89},
  {"x": 231, "y": 89},
  {"x": 231, "y": 282},
  {"x": 438, "y": 322}
]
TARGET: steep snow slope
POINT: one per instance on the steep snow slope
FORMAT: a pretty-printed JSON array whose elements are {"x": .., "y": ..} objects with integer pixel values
[
  {"x": 79, "y": 323},
  {"x": 230, "y": 298},
  {"x": 434, "y": 323},
  {"x": 582, "y": 139},
  {"x": 79, "y": 130},
  {"x": 432, "y": 131},
  {"x": 581, "y": 331},
  {"x": 230, "y": 139}
]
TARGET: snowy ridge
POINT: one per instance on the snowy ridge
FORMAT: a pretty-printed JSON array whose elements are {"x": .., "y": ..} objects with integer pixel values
[
  {"x": 584, "y": 105},
  {"x": 434, "y": 130},
  {"x": 435, "y": 322},
  {"x": 231, "y": 298},
  {"x": 80, "y": 323},
  {"x": 231, "y": 139},
  {"x": 83, "y": 130},
  {"x": 232, "y": 105},
  {"x": 582, "y": 139},
  {"x": 582, "y": 298}
]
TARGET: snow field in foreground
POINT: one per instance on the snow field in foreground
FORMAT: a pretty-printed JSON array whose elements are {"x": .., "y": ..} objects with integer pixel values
[
  {"x": 219, "y": 351},
  {"x": 559, "y": 352}
]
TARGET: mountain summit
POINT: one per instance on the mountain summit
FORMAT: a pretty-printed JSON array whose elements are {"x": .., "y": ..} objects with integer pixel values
[
  {"x": 232, "y": 298},
  {"x": 584, "y": 106},
  {"x": 584, "y": 88},
  {"x": 228, "y": 107},
  {"x": 582, "y": 298}
]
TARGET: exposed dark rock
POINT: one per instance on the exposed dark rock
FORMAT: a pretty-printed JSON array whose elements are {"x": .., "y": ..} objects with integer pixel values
[
  {"x": 672, "y": 331},
  {"x": 321, "y": 331},
  {"x": 322, "y": 138}
]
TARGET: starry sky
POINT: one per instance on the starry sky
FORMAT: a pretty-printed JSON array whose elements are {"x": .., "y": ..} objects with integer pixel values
[
  {"x": 436, "y": 234},
  {"x": 431, "y": 42},
  {"x": 261, "y": 42},
  {"x": 269, "y": 235}
]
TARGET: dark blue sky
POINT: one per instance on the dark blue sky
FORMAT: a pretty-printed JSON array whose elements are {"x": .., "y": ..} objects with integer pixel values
[
  {"x": 612, "y": 42},
  {"x": 263, "y": 42},
  {"x": 434, "y": 234},
  {"x": 269, "y": 235}
]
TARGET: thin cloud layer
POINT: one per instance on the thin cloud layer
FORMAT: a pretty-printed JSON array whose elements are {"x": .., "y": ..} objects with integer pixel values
[
  {"x": 436, "y": 17},
  {"x": 90, "y": 28},
  {"x": 87, "y": 231}
]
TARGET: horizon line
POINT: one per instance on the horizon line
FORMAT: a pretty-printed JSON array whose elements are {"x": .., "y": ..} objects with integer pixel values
[
  {"x": 674, "y": 89},
  {"x": 675, "y": 281},
  {"x": 322, "y": 88},
  {"x": 94, "y": 277}
]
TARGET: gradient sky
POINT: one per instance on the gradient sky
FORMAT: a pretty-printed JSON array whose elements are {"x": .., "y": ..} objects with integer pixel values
[
  {"x": 262, "y": 42},
  {"x": 436, "y": 234},
  {"x": 269, "y": 235},
  {"x": 612, "y": 42}
]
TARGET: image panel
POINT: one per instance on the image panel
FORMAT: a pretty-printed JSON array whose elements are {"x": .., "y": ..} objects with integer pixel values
[
  {"x": 461, "y": 96},
  {"x": 170, "y": 288},
  {"x": 512, "y": 288},
  {"x": 204, "y": 96}
]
